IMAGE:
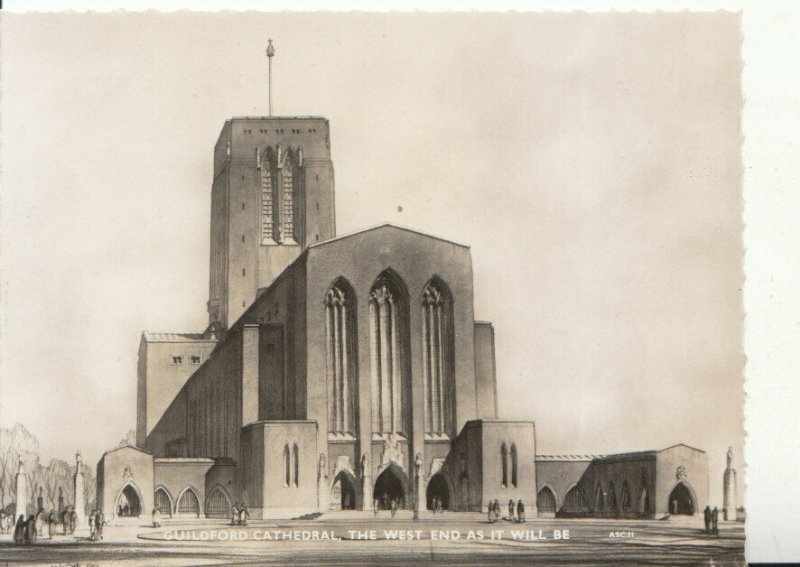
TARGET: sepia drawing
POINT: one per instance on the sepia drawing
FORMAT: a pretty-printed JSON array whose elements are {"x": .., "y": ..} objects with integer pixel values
[{"x": 344, "y": 395}]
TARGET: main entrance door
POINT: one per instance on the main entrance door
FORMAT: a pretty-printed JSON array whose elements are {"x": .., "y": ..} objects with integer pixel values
[
  {"x": 389, "y": 487},
  {"x": 128, "y": 504},
  {"x": 680, "y": 500},
  {"x": 343, "y": 494},
  {"x": 437, "y": 488}
]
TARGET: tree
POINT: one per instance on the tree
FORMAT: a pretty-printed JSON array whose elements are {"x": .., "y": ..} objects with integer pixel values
[{"x": 13, "y": 442}]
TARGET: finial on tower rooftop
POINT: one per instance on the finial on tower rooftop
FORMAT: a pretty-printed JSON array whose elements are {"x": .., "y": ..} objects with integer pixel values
[{"x": 270, "y": 55}]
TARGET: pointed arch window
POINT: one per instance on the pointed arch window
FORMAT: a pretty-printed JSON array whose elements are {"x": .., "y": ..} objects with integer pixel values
[
  {"x": 513, "y": 465},
  {"x": 288, "y": 176},
  {"x": 287, "y": 466},
  {"x": 626, "y": 497},
  {"x": 340, "y": 346},
  {"x": 504, "y": 464},
  {"x": 437, "y": 349},
  {"x": 280, "y": 183},
  {"x": 267, "y": 165},
  {"x": 388, "y": 316},
  {"x": 295, "y": 464}
]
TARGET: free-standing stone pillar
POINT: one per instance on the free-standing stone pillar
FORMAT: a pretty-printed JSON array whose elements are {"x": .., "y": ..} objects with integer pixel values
[
  {"x": 21, "y": 508},
  {"x": 729, "y": 489},
  {"x": 79, "y": 499}
]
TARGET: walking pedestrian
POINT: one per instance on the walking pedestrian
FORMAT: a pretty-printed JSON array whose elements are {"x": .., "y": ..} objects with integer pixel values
[
  {"x": 715, "y": 520},
  {"x": 19, "y": 531},
  {"x": 707, "y": 519},
  {"x": 73, "y": 520},
  {"x": 51, "y": 523},
  {"x": 99, "y": 520},
  {"x": 376, "y": 504},
  {"x": 520, "y": 511},
  {"x": 92, "y": 526},
  {"x": 511, "y": 510},
  {"x": 394, "y": 506},
  {"x": 30, "y": 530}
]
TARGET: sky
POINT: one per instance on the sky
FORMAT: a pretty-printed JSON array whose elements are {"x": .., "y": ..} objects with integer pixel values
[{"x": 591, "y": 161}]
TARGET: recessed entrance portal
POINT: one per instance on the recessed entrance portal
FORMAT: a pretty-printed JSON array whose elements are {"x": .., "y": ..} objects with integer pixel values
[
  {"x": 680, "y": 500},
  {"x": 128, "y": 504},
  {"x": 188, "y": 503},
  {"x": 438, "y": 489},
  {"x": 389, "y": 487},
  {"x": 343, "y": 493}
]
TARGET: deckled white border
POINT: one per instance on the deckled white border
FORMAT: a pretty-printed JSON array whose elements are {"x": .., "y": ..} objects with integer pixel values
[{"x": 771, "y": 83}]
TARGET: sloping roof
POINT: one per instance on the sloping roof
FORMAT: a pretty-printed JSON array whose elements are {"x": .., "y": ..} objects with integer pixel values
[
  {"x": 151, "y": 337},
  {"x": 380, "y": 226},
  {"x": 681, "y": 445},
  {"x": 126, "y": 446},
  {"x": 568, "y": 457}
]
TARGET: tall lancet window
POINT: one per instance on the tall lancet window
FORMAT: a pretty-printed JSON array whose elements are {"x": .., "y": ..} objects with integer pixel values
[
  {"x": 266, "y": 161},
  {"x": 437, "y": 349},
  {"x": 340, "y": 340},
  {"x": 388, "y": 329},
  {"x": 288, "y": 183},
  {"x": 280, "y": 181}
]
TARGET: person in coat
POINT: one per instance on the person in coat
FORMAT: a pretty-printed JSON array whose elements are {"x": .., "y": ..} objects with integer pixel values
[
  {"x": 73, "y": 519},
  {"x": 51, "y": 523},
  {"x": 520, "y": 511},
  {"x": 715, "y": 520},
  {"x": 707, "y": 519},
  {"x": 19, "y": 531},
  {"x": 99, "y": 520},
  {"x": 30, "y": 530},
  {"x": 92, "y": 527}
]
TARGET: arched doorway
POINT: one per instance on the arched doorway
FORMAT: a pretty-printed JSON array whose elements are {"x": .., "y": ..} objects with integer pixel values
[
  {"x": 218, "y": 505},
  {"x": 438, "y": 488},
  {"x": 644, "y": 503},
  {"x": 129, "y": 505},
  {"x": 611, "y": 501},
  {"x": 575, "y": 503},
  {"x": 388, "y": 487},
  {"x": 546, "y": 502},
  {"x": 680, "y": 500},
  {"x": 188, "y": 503},
  {"x": 163, "y": 501},
  {"x": 599, "y": 502},
  {"x": 343, "y": 493}
]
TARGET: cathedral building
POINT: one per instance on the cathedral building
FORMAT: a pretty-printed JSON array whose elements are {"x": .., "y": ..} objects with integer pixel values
[{"x": 343, "y": 371}]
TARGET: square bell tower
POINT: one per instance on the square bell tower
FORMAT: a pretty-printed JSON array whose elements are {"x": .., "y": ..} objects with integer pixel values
[{"x": 272, "y": 195}]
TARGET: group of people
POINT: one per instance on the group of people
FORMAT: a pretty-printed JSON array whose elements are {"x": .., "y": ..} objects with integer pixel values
[
  {"x": 385, "y": 503},
  {"x": 516, "y": 512},
  {"x": 436, "y": 505},
  {"x": 239, "y": 514},
  {"x": 96, "y": 522},
  {"x": 26, "y": 531},
  {"x": 711, "y": 520}
]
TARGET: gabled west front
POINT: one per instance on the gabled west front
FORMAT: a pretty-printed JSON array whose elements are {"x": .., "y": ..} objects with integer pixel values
[{"x": 336, "y": 372}]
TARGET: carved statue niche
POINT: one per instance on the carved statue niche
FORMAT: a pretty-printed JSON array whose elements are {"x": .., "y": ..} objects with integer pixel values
[{"x": 323, "y": 465}]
